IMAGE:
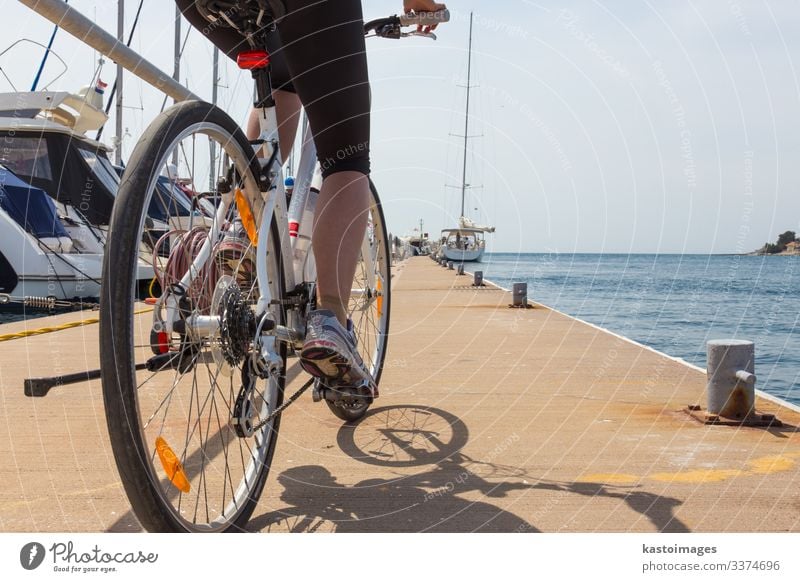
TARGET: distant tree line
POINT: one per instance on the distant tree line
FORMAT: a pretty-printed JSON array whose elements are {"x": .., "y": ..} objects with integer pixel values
[{"x": 779, "y": 246}]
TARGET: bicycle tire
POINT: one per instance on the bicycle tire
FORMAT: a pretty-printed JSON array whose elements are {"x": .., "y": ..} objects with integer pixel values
[
  {"x": 151, "y": 492},
  {"x": 372, "y": 336}
]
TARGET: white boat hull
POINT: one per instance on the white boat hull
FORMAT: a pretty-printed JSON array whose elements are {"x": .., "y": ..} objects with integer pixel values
[
  {"x": 60, "y": 287},
  {"x": 41, "y": 273},
  {"x": 463, "y": 256}
]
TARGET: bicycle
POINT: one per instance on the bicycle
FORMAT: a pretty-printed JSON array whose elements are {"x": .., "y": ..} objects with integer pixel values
[{"x": 193, "y": 428}]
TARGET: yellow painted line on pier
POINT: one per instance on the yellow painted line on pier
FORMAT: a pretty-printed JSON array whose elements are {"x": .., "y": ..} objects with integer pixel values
[
  {"x": 698, "y": 476},
  {"x": 610, "y": 478},
  {"x": 762, "y": 466},
  {"x": 773, "y": 464}
]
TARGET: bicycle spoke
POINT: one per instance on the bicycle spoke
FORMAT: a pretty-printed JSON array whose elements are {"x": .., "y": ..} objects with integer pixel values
[
  {"x": 227, "y": 472},
  {"x": 205, "y": 454}
]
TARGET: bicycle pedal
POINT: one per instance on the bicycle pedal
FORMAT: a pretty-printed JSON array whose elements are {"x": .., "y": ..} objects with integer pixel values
[
  {"x": 318, "y": 392},
  {"x": 335, "y": 391}
]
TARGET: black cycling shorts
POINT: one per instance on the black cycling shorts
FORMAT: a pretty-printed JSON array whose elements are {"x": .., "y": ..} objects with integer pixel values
[{"x": 319, "y": 53}]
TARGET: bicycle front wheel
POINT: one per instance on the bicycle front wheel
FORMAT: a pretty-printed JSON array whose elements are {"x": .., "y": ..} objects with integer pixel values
[{"x": 184, "y": 402}]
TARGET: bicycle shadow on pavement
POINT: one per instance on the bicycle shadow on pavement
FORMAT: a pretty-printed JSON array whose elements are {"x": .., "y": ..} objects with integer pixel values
[{"x": 440, "y": 499}]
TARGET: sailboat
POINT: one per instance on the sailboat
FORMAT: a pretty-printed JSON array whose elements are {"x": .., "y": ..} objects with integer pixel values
[{"x": 466, "y": 242}]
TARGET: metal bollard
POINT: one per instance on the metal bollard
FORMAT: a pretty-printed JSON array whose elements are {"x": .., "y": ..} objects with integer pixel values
[
  {"x": 520, "y": 295},
  {"x": 444, "y": 263},
  {"x": 731, "y": 381},
  {"x": 450, "y": 265},
  {"x": 478, "y": 279},
  {"x": 461, "y": 268}
]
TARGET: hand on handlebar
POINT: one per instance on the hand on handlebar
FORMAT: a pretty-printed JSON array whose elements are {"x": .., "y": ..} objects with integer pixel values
[{"x": 423, "y": 6}]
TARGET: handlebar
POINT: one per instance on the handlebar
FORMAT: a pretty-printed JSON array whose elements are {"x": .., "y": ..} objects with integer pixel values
[{"x": 391, "y": 27}]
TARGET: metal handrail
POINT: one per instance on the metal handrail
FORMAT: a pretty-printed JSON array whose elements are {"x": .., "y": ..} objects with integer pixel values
[{"x": 82, "y": 28}]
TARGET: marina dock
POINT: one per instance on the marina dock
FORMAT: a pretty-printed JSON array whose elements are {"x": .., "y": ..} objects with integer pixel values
[{"x": 490, "y": 419}]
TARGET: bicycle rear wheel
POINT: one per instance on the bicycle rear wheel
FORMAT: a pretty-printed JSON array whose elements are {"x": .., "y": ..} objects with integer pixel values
[
  {"x": 187, "y": 457},
  {"x": 370, "y": 303}
]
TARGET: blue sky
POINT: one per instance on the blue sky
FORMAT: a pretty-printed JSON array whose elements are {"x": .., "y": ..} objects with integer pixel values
[{"x": 607, "y": 127}]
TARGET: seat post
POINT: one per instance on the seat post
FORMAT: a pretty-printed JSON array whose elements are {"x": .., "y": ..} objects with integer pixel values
[{"x": 263, "y": 81}]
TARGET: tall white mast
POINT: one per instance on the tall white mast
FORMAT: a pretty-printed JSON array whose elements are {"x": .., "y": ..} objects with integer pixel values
[
  {"x": 214, "y": 96},
  {"x": 466, "y": 119},
  {"x": 177, "y": 57}
]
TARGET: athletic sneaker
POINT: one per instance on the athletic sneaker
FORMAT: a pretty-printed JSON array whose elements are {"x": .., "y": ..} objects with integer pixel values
[{"x": 330, "y": 353}]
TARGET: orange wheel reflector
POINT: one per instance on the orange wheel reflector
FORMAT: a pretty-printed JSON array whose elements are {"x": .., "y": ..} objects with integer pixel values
[
  {"x": 248, "y": 220},
  {"x": 151, "y": 301},
  {"x": 172, "y": 465},
  {"x": 379, "y": 288}
]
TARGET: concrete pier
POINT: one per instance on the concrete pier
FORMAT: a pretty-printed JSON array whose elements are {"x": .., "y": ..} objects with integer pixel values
[{"x": 490, "y": 419}]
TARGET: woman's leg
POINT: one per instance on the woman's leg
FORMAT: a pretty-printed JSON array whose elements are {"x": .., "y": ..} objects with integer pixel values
[
  {"x": 339, "y": 224},
  {"x": 323, "y": 45}
]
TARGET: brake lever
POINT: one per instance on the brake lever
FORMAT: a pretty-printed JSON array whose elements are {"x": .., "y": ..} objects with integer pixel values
[
  {"x": 392, "y": 31},
  {"x": 429, "y": 35}
]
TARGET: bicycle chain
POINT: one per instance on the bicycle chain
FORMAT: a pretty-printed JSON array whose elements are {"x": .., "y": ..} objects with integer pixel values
[{"x": 275, "y": 413}]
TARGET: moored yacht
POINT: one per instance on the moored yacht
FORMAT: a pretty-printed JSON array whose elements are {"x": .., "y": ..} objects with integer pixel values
[{"x": 57, "y": 189}]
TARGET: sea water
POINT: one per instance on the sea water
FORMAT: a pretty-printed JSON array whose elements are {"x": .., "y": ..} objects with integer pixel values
[{"x": 674, "y": 303}]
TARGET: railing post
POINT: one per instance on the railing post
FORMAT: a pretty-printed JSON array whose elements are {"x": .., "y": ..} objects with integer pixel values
[{"x": 520, "y": 295}]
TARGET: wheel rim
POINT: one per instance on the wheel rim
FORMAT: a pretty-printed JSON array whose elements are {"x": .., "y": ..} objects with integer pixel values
[{"x": 369, "y": 302}]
